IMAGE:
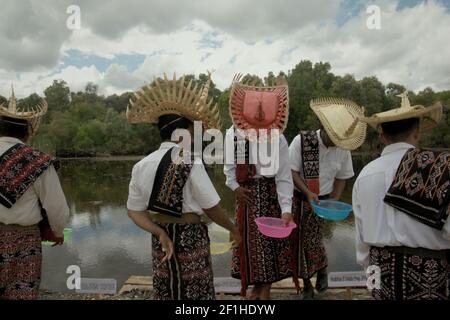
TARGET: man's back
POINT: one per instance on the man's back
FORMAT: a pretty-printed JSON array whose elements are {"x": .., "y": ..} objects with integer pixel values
[
  {"x": 381, "y": 225},
  {"x": 198, "y": 192},
  {"x": 46, "y": 191}
]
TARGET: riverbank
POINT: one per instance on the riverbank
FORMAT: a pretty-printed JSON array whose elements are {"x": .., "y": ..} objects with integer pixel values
[
  {"x": 136, "y": 294},
  {"x": 103, "y": 158},
  {"x": 141, "y": 288},
  {"x": 139, "y": 157}
]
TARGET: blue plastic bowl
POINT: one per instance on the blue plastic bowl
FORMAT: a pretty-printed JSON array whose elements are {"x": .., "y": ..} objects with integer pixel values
[{"x": 331, "y": 209}]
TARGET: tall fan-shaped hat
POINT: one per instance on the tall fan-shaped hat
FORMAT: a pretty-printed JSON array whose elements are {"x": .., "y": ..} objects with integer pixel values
[
  {"x": 429, "y": 116},
  {"x": 33, "y": 115},
  {"x": 259, "y": 107},
  {"x": 173, "y": 96}
]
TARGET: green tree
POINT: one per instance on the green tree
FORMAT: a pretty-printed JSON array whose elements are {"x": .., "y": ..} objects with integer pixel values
[
  {"x": 59, "y": 133},
  {"x": 440, "y": 136},
  {"x": 270, "y": 79},
  {"x": 57, "y": 96},
  {"x": 346, "y": 87},
  {"x": 29, "y": 102},
  {"x": 324, "y": 79},
  {"x": 425, "y": 97},
  {"x": 306, "y": 82},
  {"x": 373, "y": 99},
  {"x": 86, "y": 123},
  {"x": 83, "y": 144},
  {"x": 392, "y": 91},
  {"x": 90, "y": 137},
  {"x": 213, "y": 91},
  {"x": 252, "y": 79},
  {"x": 223, "y": 105},
  {"x": 118, "y": 103}
]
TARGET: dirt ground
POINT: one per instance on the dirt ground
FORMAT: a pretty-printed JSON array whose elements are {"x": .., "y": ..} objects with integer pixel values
[{"x": 331, "y": 294}]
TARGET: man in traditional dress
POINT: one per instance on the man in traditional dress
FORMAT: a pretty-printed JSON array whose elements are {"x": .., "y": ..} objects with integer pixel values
[
  {"x": 260, "y": 191},
  {"x": 400, "y": 201},
  {"x": 321, "y": 163},
  {"x": 29, "y": 191},
  {"x": 176, "y": 192}
]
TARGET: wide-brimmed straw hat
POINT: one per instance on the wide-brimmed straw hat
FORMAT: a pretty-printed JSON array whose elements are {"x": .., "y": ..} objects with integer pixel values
[
  {"x": 32, "y": 116},
  {"x": 340, "y": 119},
  {"x": 259, "y": 107},
  {"x": 174, "y": 96},
  {"x": 429, "y": 117}
]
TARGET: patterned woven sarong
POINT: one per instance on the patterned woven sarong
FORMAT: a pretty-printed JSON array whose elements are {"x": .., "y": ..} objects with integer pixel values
[
  {"x": 307, "y": 239},
  {"x": 260, "y": 259},
  {"x": 410, "y": 277},
  {"x": 188, "y": 275},
  {"x": 421, "y": 187},
  {"x": 20, "y": 262}
]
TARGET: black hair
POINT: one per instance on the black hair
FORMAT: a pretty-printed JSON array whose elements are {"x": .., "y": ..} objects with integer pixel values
[
  {"x": 11, "y": 127},
  {"x": 401, "y": 129},
  {"x": 167, "y": 124}
]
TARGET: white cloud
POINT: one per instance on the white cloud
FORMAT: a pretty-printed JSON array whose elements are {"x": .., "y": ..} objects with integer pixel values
[
  {"x": 243, "y": 19},
  {"x": 32, "y": 33},
  {"x": 117, "y": 78},
  {"x": 188, "y": 37},
  {"x": 36, "y": 82}
]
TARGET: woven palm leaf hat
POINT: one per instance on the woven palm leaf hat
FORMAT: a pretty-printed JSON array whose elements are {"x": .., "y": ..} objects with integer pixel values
[
  {"x": 259, "y": 107},
  {"x": 429, "y": 117},
  {"x": 340, "y": 119},
  {"x": 32, "y": 116},
  {"x": 173, "y": 96}
]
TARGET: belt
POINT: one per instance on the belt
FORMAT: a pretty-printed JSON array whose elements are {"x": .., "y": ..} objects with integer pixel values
[
  {"x": 421, "y": 252},
  {"x": 324, "y": 197},
  {"x": 186, "y": 218},
  {"x": 17, "y": 227}
]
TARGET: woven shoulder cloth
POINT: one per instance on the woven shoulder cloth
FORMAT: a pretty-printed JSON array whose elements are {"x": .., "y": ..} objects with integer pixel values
[
  {"x": 245, "y": 170},
  {"x": 167, "y": 191},
  {"x": 310, "y": 159},
  {"x": 20, "y": 166},
  {"x": 421, "y": 186}
]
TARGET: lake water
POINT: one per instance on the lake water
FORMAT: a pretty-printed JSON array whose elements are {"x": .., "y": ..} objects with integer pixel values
[{"x": 105, "y": 243}]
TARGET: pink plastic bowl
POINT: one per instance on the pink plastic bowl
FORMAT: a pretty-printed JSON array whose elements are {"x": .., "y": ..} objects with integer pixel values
[{"x": 274, "y": 227}]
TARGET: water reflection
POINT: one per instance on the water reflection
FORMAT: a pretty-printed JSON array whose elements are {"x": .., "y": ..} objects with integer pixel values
[{"x": 106, "y": 244}]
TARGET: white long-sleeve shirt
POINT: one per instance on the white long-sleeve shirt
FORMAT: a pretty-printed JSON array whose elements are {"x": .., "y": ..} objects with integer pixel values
[
  {"x": 378, "y": 224},
  {"x": 47, "y": 188},
  {"x": 282, "y": 174},
  {"x": 334, "y": 163}
]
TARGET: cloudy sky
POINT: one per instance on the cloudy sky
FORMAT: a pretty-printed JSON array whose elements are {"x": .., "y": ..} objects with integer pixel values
[{"x": 122, "y": 44}]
